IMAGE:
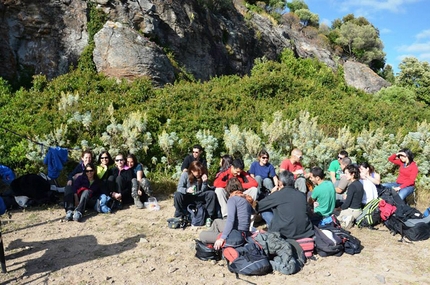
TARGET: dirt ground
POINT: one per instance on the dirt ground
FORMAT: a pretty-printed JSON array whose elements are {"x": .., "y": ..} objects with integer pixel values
[{"x": 135, "y": 246}]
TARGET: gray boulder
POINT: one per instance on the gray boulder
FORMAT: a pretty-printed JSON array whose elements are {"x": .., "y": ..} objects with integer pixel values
[
  {"x": 362, "y": 77},
  {"x": 122, "y": 52}
]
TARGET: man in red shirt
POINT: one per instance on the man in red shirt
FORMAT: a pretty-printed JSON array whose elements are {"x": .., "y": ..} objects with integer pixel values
[
  {"x": 294, "y": 166},
  {"x": 249, "y": 184}
]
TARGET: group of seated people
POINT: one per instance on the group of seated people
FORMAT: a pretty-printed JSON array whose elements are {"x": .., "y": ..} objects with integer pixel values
[
  {"x": 104, "y": 186},
  {"x": 286, "y": 201}
]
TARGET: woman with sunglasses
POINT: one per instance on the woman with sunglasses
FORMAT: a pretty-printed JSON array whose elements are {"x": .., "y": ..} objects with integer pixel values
[
  {"x": 86, "y": 190},
  {"x": 264, "y": 172},
  {"x": 104, "y": 170},
  {"x": 120, "y": 182},
  {"x": 408, "y": 171}
]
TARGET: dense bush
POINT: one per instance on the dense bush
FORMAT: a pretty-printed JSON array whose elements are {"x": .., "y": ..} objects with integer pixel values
[{"x": 280, "y": 105}]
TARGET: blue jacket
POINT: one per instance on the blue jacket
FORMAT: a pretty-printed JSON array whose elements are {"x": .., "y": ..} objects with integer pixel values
[
  {"x": 6, "y": 174},
  {"x": 55, "y": 159}
]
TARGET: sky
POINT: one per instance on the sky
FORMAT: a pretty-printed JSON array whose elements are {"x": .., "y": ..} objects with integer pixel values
[{"x": 404, "y": 25}]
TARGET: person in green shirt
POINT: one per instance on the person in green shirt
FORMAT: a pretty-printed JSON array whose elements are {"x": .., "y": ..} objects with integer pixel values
[
  {"x": 334, "y": 167},
  {"x": 323, "y": 196}
]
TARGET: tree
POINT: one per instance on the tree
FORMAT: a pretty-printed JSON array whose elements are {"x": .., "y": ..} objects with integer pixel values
[
  {"x": 362, "y": 43},
  {"x": 388, "y": 74},
  {"x": 416, "y": 75},
  {"x": 297, "y": 5},
  {"x": 307, "y": 17}
]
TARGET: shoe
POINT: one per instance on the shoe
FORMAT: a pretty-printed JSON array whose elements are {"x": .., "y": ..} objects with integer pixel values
[
  {"x": 69, "y": 215},
  {"x": 138, "y": 203},
  {"x": 208, "y": 222},
  {"x": 77, "y": 216}
]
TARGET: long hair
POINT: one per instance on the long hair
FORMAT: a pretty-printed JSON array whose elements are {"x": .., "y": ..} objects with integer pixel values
[
  {"x": 99, "y": 160},
  {"x": 234, "y": 188},
  {"x": 367, "y": 165},
  {"x": 226, "y": 161},
  {"x": 133, "y": 157},
  {"x": 92, "y": 166},
  {"x": 198, "y": 167}
]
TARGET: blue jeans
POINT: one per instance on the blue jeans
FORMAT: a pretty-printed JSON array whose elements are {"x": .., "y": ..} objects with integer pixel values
[
  {"x": 266, "y": 183},
  {"x": 267, "y": 216},
  {"x": 404, "y": 192}
]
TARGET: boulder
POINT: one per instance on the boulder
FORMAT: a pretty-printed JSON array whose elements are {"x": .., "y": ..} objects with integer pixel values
[
  {"x": 362, "y": 77},
  {"x": 122, "y": 52}
]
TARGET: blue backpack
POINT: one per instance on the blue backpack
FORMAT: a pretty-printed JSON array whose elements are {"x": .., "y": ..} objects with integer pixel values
[{"x": 197, "y": 213}]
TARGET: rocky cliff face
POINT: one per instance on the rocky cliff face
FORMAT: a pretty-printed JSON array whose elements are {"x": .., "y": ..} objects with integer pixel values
[{"x": 47, "y": 36}]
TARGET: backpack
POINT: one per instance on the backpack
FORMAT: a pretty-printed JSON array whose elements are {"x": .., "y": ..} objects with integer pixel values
[
  {"x": 371, "y": 214},
  {"x": 206, "y": 251},
  {"x": 412, "y": 229},
  {"x": 248, "y": 259},
  {"x": 198, "y": 214},
  {"x": 327, "y": 243},
  {"x": 351, "y": 244}
]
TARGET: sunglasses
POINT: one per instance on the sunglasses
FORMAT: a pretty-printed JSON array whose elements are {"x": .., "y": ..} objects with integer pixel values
[
  {"x": 119, "y": 160},
  {"x": 89, "y": 170},
  {"x": 104, "y": 157},
  {"x": 196, "y": 151},
  {"x": 264, "y": 157},
  {"x": 339, "y": 157}
]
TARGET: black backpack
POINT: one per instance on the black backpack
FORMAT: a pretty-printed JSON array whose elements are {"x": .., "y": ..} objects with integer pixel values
[
  {"x": 328, "y": 244},
  {"x": 412, "y": 229},
  {"x": 206, "y": 251},
  {"x": 351, "y": 244}
]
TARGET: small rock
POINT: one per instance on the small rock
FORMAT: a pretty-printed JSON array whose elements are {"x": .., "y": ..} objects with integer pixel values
[
  {"x": 172, "y": 269},
  {"x": 151, "y": 269},
  {"x": 143, "y": 240},
  {"x": 380, "y": 278},
  {"x": 327, "y": 274}
]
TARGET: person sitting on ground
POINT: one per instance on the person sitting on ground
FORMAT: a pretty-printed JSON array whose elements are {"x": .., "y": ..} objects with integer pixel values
[
  {"x": 249, "y": 184},
  {"x": 343, "y": 183},
  {"x": 408, "y": 171},
  {"x": 323, "y": 198},
  {"x": 368, "y": 172},
  {"x": 104, "y": 170},
  {"x": 224, "y": 164},
  {"x": 293, "y": 165},
  {"x": 120, "y": 182},
  {"x": 193, "y": 188},
  {"x": 370, "y": 191},
  {"x": 87, "y": 157},
  {"x": 239, "y": 218},
  {"x": 195, "y": 156},
  {"x": 263, "y": 172},
  {"x": 140, "y": 186},
  {"x": 86, "y": 190},
  {"x": 334, "y": 168},
  {"x": 289, "y": 209},
  {"x": 351, "y": 207}
]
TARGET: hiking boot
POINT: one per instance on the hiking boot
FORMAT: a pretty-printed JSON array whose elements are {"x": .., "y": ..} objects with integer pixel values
[
  {"x": 146, "y": 186},
  {"x": 69, "y": 215},
  {"x": 136, "y": 197},
  {"x": 208, "y": 222},
  {"x": 138, "y": 203},
  {"x": 77, "y": 216}
]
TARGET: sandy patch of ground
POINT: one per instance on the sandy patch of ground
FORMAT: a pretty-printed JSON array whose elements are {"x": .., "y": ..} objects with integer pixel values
[{"x": 135, "y": 246}]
